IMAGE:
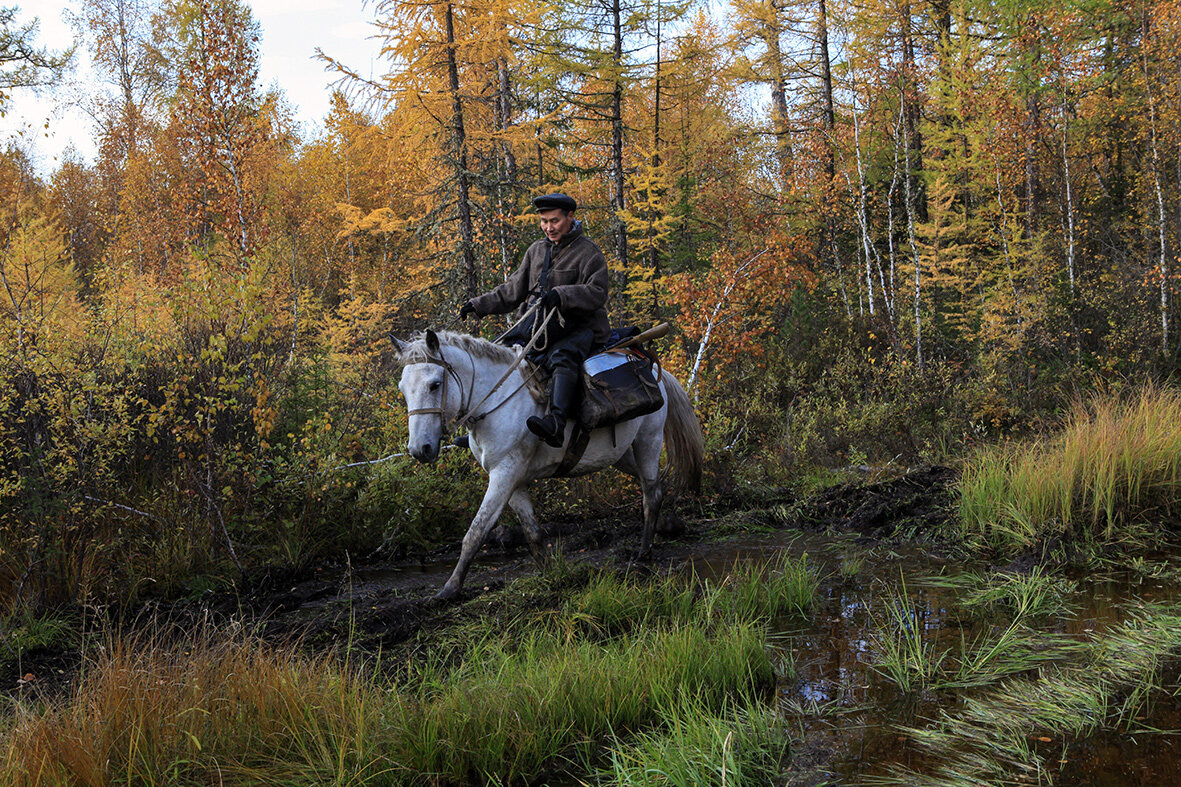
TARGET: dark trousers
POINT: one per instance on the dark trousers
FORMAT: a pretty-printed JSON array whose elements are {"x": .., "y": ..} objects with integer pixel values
[{"x": 567, "y": 352}]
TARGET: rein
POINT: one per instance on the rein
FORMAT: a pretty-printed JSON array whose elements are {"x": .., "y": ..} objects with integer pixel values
[
  {"x": 537, "y": 334},
  {"x": 466, "y": 414}
]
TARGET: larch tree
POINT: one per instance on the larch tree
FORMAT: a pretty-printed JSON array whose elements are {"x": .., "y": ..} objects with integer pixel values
[
  {"x": 448, "y": 93},
  {"x": 221, "y": 121},
  {"x": 762, "y": 35}
]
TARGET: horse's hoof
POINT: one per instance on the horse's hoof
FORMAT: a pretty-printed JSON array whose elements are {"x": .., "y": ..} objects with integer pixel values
[
  {"x": 448, "y": 593},
  {"x": 644, "y": 555}
]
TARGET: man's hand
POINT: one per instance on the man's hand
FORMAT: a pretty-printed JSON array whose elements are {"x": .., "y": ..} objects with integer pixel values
[
  {"x": 466, "y": 310},
  {"x": 551, "y": 300}
]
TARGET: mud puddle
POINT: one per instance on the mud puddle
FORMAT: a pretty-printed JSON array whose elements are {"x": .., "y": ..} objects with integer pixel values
[{"x": 847, "y": 718}]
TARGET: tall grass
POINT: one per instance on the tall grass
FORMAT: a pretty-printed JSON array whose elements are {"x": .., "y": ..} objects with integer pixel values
[
  {"x": 219, "y": 709},
  {"x": 1117, "y": 463},
  {"x": 906, "y": 653},
  {"x": 750, "y": 591},
  {"x": 512, "y": 714},
  {"x": 762, "y": 590},
  {"x": 519, "y": 703},
  {"x": 903, "y": 653},
  {"x": 743, "y": 745},
  {"x": 986, "y": 595}
]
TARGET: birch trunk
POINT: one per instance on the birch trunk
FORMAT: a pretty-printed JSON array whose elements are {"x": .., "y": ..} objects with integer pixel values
[
  {"x": 1162, "y": 259},
  {"x": 1069, "y": 203},
  {"x": 862, "y": 211}
]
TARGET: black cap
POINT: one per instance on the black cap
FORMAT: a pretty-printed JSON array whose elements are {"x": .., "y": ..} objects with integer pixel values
[{"x": 552, "y": 201}]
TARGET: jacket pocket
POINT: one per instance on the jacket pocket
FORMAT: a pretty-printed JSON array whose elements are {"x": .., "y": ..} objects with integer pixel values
[{"x": 560, "y": 277}]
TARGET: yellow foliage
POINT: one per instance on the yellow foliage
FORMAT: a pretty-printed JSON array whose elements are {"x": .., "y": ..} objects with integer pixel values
[
  {"x": 38, "y": 290},
  {"x": 356, "y": 333}
]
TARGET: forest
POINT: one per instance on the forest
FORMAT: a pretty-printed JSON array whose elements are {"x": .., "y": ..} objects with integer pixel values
[{"x": 884, "y": 233}]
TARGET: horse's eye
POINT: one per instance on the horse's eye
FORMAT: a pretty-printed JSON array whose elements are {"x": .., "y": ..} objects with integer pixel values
[{"x": 435, "y": 385}]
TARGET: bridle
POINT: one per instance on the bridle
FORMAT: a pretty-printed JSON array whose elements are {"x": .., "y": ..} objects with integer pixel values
[
  {"x": 449, "y": 372},
  {"x": 464, "y": 415}
]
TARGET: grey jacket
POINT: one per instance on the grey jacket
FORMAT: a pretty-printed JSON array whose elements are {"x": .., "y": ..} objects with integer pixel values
[{"x": 578, "y": 273}]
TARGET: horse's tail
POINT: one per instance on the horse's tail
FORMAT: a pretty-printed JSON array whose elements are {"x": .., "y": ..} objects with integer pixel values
[{"x": 682, "y": 437}]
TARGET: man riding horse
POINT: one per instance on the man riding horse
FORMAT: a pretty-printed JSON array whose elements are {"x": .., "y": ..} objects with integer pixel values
[{"x": 566, "y": 271}]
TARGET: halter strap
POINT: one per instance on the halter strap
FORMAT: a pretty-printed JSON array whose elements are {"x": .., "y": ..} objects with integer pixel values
[
  {"x": 441, "y": 410},
  {"x": 465, "y": 414}
]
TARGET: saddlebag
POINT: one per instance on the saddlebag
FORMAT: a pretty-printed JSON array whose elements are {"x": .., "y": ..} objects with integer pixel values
[{"x": 617, "y": 386}]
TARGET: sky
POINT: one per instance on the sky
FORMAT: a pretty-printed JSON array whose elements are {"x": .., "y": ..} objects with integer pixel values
[{"x": 47, "y": 125}]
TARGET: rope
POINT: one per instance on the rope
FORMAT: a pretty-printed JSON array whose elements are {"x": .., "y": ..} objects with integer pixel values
[
  {"x": 536, "y": 305},
  {"x": 538, "y": 332}
]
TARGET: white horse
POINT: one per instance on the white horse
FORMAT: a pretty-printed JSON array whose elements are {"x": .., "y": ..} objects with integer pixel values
[{"x": 446, "y": 374}]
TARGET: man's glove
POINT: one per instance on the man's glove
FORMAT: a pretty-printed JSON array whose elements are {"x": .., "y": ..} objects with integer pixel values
[
  {"x": 466, "y": 310},
  {"x": 551, "y": 300}
]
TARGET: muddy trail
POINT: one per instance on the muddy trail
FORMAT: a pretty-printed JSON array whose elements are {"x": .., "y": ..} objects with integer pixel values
[{"x": 387, "y": 604}]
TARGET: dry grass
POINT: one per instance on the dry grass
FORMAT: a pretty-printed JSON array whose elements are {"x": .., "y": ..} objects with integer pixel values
[
  {"x": 1116, "y": 465},
  {"x": 218, "y": 711}
]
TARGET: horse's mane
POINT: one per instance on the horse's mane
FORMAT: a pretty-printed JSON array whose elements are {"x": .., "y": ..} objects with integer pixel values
[{"x": 416, "y": 352}]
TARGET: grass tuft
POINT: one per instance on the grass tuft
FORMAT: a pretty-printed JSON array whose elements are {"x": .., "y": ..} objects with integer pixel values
[
  {"x": 764, "y": 590},
  {"x": 1115, "y": 466},
  {"x": 1018, "y": 596},
  {"x": 907, "y": 655},
  {"x": 745, "y": 744},
  {"x": 902, "y": 651}
]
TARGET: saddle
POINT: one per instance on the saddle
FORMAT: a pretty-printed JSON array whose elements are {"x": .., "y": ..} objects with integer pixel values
[{"x": 617, "y": 385}]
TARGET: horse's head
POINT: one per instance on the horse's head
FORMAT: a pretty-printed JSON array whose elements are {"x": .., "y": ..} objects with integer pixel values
[{"x": 433, "y": 393}]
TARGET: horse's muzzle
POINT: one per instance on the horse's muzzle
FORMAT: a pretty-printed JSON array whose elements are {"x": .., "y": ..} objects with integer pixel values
[{"x": 427, "y": 452}]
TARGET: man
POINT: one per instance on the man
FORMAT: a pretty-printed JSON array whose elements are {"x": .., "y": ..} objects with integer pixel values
[{"x": 567, "y": 272}]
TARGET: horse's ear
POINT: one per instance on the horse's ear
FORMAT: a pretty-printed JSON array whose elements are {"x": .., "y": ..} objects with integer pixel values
[
  {"x": 432, "y": 342},
  {"x": 399, "y": 345}
]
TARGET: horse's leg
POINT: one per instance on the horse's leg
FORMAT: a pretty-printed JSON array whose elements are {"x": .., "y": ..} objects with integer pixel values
[
  {"x": 522, "y": 506},
  {"x": 650, "y": 486},
  {"x": 502, "y": 482},
  {"x": 646, "y": 458}
]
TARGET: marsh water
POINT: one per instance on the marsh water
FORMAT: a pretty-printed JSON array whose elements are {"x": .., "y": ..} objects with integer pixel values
[{"x": 849, "y": 719}]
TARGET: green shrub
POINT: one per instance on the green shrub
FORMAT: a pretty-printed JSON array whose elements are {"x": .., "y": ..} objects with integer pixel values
[{"x": 407, "y": 504}]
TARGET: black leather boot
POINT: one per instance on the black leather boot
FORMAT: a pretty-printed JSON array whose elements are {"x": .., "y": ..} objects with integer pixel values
[{"x": 551, "y": 427}]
